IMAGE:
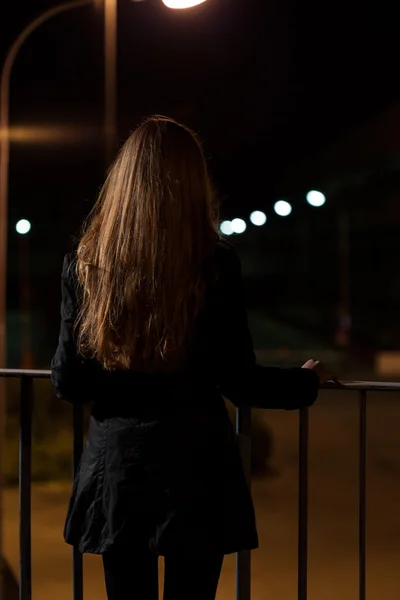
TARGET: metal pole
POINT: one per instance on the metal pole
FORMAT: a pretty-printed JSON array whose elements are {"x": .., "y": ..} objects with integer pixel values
[
  {"x": 25, "y": 308},
  {"x": 362, "y": 496},
  {"x": 110, "y": 78},
  {"x": 4, "y": 184},
  {"x": 302, "y": 553},
  {"x": 25, "y": 478},
  {"x": 77, "y": 559}
]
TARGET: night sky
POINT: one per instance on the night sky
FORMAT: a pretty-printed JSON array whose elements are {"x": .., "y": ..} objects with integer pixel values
[{"x": 265, "y": 83}]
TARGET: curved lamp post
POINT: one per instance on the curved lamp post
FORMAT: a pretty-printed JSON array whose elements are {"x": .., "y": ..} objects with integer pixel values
[
  {"x": 110, "y": 42},
  {"x": 5, "y": 148}
]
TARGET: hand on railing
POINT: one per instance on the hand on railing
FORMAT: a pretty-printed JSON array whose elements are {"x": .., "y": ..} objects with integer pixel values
[{"x": 324, "y": 374}]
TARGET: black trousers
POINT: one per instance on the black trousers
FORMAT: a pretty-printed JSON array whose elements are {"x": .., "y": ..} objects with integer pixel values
[{"x": 134, "y": 576}]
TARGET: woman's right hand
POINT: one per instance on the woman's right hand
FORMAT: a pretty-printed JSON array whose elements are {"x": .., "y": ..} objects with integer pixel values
[{"x": 323, "y": 373}]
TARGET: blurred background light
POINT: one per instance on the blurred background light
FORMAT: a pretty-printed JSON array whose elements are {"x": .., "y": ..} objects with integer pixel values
[
  {"x": 315, "y": 198},
  {"x": 258, "y": 218},
  {"x": 238, "y": 226},
  {"x": 49, "y": 134},
  {"x": 282, "y": 208},
  {"x": 226, "y": 228},
  {"x": 23, "y": 226},
  {"x": 182, "y": 3}
]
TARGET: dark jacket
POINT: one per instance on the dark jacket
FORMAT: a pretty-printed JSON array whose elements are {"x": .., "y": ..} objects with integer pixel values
[{"x": 161, "y": 466}]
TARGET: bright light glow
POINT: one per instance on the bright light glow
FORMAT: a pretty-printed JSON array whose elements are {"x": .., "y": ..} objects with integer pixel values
[
  {"x": 258, "y": 218},
  {"x": 23, "y": 226},
  {"x": 226, "y": 228},
  {"x": 182, "y": 3},
  {"x": 282, "y": 208},
  {"x": 238, "y": 226},
  {"x": 316, "y": 198},
  {"x": 49, "y": 134}
]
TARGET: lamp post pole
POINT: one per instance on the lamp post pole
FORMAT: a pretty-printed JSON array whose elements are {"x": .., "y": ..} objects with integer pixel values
[
  {"x": 5, "y": 148},
  {"x": 110, "y": 78}
]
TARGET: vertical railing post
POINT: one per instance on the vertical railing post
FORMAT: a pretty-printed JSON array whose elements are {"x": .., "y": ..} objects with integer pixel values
[
  {"x": 25, "y": 460},
  {"x": 302, "y": 553},
  {"x": 362, "y": 492},
  {"x": 77, "y": 559},
  {"x": 243, "y": 559}
]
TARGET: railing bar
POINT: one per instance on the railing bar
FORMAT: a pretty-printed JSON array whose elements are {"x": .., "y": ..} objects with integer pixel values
[
  {"x": 362, "y": 494},
  {"x": 25, "y": 459},
  {"x": 243, "y": 558},
  {"x": 20, "y": 373},
  {"x": 77, "y": 559},
  {"x": 368, "y": 386},
  {"x": 302, "y": 553}
]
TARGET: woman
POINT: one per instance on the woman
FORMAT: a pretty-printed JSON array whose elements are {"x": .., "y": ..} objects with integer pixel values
[{"x": 154, "y": 332}]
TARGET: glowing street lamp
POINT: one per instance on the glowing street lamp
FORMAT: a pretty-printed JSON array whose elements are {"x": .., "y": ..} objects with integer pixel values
[
  {"x": 238, "y": 226},
  {"x": 315, "y": 198},
  {"x": 182, "y": 3},
  {"x": 258, "y": 218},
  {"x": 282, "y": 208},
  {"x": 226, "y": 228},
  {"x": 23, "y": 226}
]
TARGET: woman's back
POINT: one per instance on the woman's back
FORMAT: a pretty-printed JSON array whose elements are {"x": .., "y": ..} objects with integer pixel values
[{"x": 154, "y": 333}]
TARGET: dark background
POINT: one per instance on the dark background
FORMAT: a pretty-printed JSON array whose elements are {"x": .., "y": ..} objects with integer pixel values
[{"x": 287, "y": 96}]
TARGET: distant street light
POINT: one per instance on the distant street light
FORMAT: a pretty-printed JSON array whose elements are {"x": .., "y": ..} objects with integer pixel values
[
  {"x": 226, "y": 228},
  {"x": 182, "y": 3},
  {"x": 315, "y": 198},
  {"x": 238, "y": 226},
  {"x": 23, "y": 226},
  {"x": 258, "y": 218},
  {"x": 282, "y": 208}
]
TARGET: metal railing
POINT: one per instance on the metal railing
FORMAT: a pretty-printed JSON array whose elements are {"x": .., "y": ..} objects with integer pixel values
[
  {"x": 25, "y": 462},
  {"x": 243, "y": 425}
]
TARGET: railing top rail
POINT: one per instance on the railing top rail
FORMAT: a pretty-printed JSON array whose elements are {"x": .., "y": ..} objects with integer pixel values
[
  {"x": 364, "y": 386},
  {"x": 367, "y": 386},
  {"x": 36, "y": 374}
]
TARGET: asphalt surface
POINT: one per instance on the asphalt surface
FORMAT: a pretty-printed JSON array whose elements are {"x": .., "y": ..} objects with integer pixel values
[{"x": 333, "y": 506}]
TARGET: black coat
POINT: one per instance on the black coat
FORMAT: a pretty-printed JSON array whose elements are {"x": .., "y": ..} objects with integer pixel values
[{"x": 161, "y": 466}]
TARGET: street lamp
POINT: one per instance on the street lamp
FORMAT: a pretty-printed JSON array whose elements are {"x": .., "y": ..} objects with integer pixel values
[
  {"x": 180, "y": 4},
  {"x": 226, "y": 227},
  {"x": 23, "y": 227},
  {"x": 282, "y": 208},
  {"x": 5, "y": 158},
  {"x": 238, "y": 226},
  {"x": 315, "y": 198},
  {"x": 258, "y": 218}
]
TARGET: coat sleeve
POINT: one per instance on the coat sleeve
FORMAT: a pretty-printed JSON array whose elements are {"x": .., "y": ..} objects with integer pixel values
[
  {"x": 72, "y": 376},
  {"x": 240, "y": 379}
]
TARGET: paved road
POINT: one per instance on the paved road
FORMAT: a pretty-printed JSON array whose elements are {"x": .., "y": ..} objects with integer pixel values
[{"x": 333, "y": 514}]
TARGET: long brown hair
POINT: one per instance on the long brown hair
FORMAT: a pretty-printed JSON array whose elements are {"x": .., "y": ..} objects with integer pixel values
[{"x": 141, "y": 259}]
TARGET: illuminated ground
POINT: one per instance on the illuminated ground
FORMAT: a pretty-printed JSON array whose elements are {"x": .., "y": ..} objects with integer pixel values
[{"x": 333, "y": 514}]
